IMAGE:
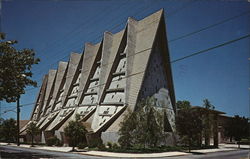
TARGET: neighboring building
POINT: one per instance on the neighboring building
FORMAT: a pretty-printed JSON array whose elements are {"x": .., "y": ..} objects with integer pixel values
[
  {"x": 215, "y": 120},
  {"x": 223, "y": 122},
  {"x": 107, "y": 80},
  {"x": 22, "y": 125}
]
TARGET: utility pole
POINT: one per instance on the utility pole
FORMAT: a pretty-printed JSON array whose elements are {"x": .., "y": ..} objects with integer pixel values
[
  {"x": 18, "y": 119},
  {"x": 0, "y": 15},
  {"x": 0, "y": 110}
]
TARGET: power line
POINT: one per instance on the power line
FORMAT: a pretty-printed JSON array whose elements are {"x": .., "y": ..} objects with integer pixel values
[
  {"x": 92, "y": 41},
  {"x": 188, "y": 56},
  {"x": 141, "y": 10},
  {"x": 210, "y": 26},
  {"x": 71, "y": 33},
  {"x": 185, "y": 35},
  {"x": 211, "y": 48}
]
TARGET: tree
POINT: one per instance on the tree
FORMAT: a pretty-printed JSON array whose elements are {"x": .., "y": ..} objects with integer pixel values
[
  {"x": 15, "y": 69},
  {"x": 237, "y": 128},
  {"x": 126, "y": 133},
  {"x": 75, "y": 131},
  {"x": 183, "y": 104},
  {"x": 144, "y": 127},
  {"x": 188, "y": 124},
  {"x": 8, "y": 130},
  {"x": 32, "y": 130}
]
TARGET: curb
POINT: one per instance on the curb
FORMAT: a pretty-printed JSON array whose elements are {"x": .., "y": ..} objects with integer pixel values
[{"x": 122, "y": 155}]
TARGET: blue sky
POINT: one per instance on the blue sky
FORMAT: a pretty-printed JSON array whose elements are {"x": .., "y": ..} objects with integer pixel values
[{"x": 55, "y": 28}]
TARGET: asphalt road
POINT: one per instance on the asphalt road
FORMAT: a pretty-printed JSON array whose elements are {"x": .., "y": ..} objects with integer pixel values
[
  {"x": 237, "y": 154},
  {"x": 8, "y": 152}
]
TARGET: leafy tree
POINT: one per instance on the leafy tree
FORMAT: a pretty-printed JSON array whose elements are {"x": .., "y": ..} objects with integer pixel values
[
  {"x": 183, "y": 104},
  {"x": 8, "y": 130},
  {"x": 207, "y": 104},
  {"x": 128, "y": 125},
  {"x": 144, "y": 127},
  {"x": 32, "y": 130},
  {"x": 15, "y": 69},
  {"x": 75, "y": 131},
  {"x": 237, "y": 128},
  {"x": 188, "y": 124}
]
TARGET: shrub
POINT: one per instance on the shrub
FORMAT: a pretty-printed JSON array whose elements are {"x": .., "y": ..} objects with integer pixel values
[
  {"x": 96, "y": 142},
  {"x": 115, "y": 146},
  {"x": 109, "y": 144},
  {"x": 101, "y": 146},
  {"x": 82, "y": 145},
  {"x": 53, "y": 141}
]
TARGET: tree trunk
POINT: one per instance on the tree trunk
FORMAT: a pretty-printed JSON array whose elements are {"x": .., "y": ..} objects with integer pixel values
[
  {"x": 189, "y": 145},
  {"x": 32, "y": 139},
  {"x": 74, "y": 144}
]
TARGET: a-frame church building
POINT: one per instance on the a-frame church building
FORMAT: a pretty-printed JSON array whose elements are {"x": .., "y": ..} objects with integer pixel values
[{"x": 107, "y": 80}]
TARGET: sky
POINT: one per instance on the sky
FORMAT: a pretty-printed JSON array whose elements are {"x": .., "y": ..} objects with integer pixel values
[{"x": 55, "y": 28}]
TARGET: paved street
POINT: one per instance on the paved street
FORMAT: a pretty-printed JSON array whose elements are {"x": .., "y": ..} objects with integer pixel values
[
  {"x": 9, "y": 152},
  {"x": 237, "y": 154},
  {"x": 24, "y": 153}
]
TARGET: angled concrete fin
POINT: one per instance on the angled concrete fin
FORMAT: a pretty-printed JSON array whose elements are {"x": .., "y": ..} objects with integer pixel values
[
  {"x": 72, "y": 84},
  {"x": 73, "y": 63},
  {"x": 89, "y": 76},
  {"x": 113, "y": 57},
  {"x": 59, "y": 77},
  {"x": 91, "y": 54},
  {"x": 39, "y": 100},
  {"x": 42, "y": 99},
  {"x": 51, "y": 80}
]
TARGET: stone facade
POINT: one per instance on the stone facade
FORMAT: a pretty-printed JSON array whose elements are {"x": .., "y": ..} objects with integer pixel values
[{"x": 109, "y": 78}]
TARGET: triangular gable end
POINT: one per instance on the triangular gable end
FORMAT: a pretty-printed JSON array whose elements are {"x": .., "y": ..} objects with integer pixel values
[
  {"x": 138, "y": 58},
  {"x": 157, "y": 80}
]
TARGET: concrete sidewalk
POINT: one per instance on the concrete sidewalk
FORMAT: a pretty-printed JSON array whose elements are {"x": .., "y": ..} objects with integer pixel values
[
  {"x": 213, "y": 150},
  {"x": 222, "y": 147},
  {"x": 234, "y": 146},
  {"x": 144, "y": 155}
]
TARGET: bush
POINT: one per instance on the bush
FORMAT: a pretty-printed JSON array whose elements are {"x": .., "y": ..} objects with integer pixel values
[
  {"x": 53, "y": 141},
  {"x": 115, "y": 146},
  {"x": 109, "y": 144},
  {"x": 101, "y": 146},
  {"x": 82, "y": 145},
  {"x": 96, "y": 142}
]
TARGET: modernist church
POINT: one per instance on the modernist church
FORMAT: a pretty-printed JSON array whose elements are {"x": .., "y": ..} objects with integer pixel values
[{"x": 108, "y": 79}]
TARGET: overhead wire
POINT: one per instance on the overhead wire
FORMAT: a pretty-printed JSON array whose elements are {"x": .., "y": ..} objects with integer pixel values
[
  {"x": 176, "y": 60},
  {"x": 185, "y": 35},
  {"x": 209, "y": 27},
  {"x": 116, "y": 26}
]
